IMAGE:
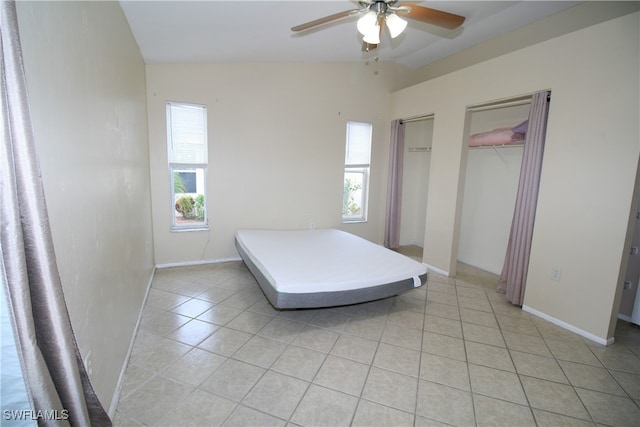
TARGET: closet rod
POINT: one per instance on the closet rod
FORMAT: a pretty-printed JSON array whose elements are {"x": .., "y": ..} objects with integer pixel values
[
  {"x": 501, "y": 105},
  {"x": 484, "y": 147},
  {"x": 418, "y": 149},
  {"x": 416, "y": 118}
]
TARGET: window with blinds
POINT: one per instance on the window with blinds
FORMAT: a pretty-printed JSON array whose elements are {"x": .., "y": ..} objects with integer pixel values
[
  {"x": 187, "y": 153},
  {"x": 356, "y": 171}
]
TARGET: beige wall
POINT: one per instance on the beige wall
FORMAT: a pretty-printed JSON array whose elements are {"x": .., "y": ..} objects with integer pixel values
[
  {"x": 276, "y": 148},
  {"x": 591, "y": 156},
  {"x": 86, "y": 83}
]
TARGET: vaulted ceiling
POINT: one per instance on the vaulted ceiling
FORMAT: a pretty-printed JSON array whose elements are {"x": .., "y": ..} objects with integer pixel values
[{"x": 260, "y": 31}]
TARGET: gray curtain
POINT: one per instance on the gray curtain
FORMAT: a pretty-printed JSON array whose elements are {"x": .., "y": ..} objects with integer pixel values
[
  {"x": 514, "y": 272},
  {"x": 56, "y": 380},
  {"x": 394, "y": 188}
]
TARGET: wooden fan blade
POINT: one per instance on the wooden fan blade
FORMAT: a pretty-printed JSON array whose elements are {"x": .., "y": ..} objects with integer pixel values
[
  {"x": 325, "y": 20},
  {"x": 430, "y": 16}
]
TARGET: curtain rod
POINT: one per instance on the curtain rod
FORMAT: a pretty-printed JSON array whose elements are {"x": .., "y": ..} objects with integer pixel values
[
  {"x": 505, "y": 104},
  {"x": 416, "y": 118}
]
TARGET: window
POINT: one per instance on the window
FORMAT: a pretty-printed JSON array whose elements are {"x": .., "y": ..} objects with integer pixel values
[
  {"x": 356, "y": 172},
  {"x": 187, "y": 146}
]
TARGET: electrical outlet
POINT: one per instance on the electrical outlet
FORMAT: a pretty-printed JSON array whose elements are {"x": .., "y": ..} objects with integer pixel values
[{"x": 555, "y": 274}]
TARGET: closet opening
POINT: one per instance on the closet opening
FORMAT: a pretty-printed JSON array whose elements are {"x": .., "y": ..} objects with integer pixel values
[
  {"x": 415, "y": 184},
  {"x": 495, "y": 146}
]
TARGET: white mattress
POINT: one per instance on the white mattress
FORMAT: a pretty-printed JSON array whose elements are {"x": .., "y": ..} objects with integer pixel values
[{"x": 324, "y": 260}]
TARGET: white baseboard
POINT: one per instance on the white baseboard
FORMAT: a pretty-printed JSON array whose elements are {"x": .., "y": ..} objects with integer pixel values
[
  {"x": 199, "y": 262},
  {"x": 568, "y": 327},
  {"x": 625, "y": 318},
  {"x": 125, "y": 363},
  {"x": 437, "y": 270}
]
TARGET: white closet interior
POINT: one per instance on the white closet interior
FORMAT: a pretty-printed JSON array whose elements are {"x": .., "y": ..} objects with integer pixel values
[
  {"x": 491, "y": 184},
  {"x": 415, "y": 180}
]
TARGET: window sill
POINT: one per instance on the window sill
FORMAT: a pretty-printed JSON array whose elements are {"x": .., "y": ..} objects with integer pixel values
[
  {"x": 354, "y": 221},
  {"x": 188, "y": 229}
]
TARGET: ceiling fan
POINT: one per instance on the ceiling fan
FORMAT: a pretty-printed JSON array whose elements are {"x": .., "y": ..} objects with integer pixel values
[{"x": 377, "y": 13}]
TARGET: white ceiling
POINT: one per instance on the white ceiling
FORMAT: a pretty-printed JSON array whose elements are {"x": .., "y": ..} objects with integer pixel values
[{"x": 259, "y": 31}]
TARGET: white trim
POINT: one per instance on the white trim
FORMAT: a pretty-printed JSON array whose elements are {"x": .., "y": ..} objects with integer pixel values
[
  {"x": 437, "y": 270},
  {"x": 569, "y": 327},
  {"x": 199, "y": 262},
  {"x": 625, "y": 318},
  {"x": 125, "y": 363}
]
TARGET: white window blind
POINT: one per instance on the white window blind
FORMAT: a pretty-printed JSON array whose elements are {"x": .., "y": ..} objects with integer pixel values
[
  {"x": 187, "y": 133},
  {"x": 358, "y": 147}
]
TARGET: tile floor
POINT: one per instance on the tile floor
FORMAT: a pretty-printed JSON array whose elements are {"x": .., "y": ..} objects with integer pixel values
[{"x": 212, "y": 351}]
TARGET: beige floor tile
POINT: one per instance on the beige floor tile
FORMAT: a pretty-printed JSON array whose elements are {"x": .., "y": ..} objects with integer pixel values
[
  {"x": 164, "y": 323},
  {"x": 488, "y": 355},
  {"x": 299, "y": 362},
  {"x": 476, "y": 317},
  {"x": 493, "y": 412},
  {"x": 526, "y": 343},
  {"x": 193, "y": 332},
  {"x": 366, "y": 328},
  {"x": 330, "y": 320},
  {"x": 216, "y": 295},
  {"x": 548, "y": 419},
  {"x": 260, "y": 351},
  {"x": 446, "y": 371},
  {"x": 398, "y": 359},
  {"x": 160, "y": 354},
  {"x": 343, "y": 375},
  {"x": 572, "y": 351},
  {"x": 407, "y": 319},
  {"x": 629, "y": 382},
  {"x": 355, "y": 348},
  {"x": 618, "y": 358},
  {"x": 442, "y": 298},
  {"x": 391, "y": 389},
  {"x": 194, "y": 367},
  {"x": 482, "y": 305},
  {"x": 404, "y": 337},
  {"x": 220, "y": 314},
  {"x": 553, "y": 397},
  {"x": 243, "y": 299},
  {"x": 372, "y": 414},
  {"x": 442, "y": 310},
  {"x": 611, "y": 410},
  {"x": 249, "y": 322},
  {"x": 435, "y": 402},
  {"x": 482, "y": 334},
  {"x": 193, "y": 307},
  {"x": 233, "y": 380},
  {"x": 280, "y": 329},
  {"x": 225, "y": 341},
  {"x": 496, "y": 383},
  {"x": 276, "y": 394},
  {"x": 134, "y": 378},
  {"x": 443, "y": 345},
  {"x": 316, "y": 339},
  {"x": 444, "y": 326},
  {"x": 243, "y": 416},
  {"x": 518, "y": 325},
  {"x": 154, "y": 399},
  {"x": 198, "y": 409},
  {"x": 312, "y": 410},
  {"x": 164, "y": 300},
  {"x": 532, "y": 365},
  {"x": 591, "y": 378}
]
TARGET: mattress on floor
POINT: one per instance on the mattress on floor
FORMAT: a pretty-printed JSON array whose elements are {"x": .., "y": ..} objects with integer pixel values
[{"x": 324, "y": 267}]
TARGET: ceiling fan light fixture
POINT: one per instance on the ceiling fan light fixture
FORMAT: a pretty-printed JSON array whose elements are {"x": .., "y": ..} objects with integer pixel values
[
  {"x": 373, "y": 37},
  {"x": 396, "y": 25},
  {"x": 367, "y": 23}
]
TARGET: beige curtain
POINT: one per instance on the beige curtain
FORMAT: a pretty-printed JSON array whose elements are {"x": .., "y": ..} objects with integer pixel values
[
  {"x": 56, "y": 380},
  {"x": 514, "y": 272},
  {"x": 394, "y": 188}
]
